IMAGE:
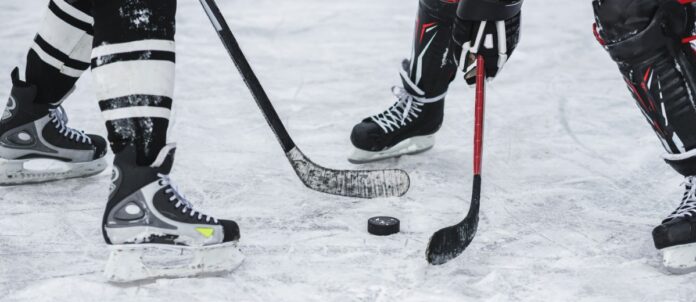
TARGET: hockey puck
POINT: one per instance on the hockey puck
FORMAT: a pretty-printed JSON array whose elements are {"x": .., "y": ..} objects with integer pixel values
[{"x": 383, "y": 226}]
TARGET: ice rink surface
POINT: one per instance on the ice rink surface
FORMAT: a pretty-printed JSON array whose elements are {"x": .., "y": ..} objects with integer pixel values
[{"x": 573, "y": 182}]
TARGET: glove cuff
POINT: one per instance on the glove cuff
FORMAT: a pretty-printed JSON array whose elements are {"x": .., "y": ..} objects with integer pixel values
[{"x": 488, "y": 10}]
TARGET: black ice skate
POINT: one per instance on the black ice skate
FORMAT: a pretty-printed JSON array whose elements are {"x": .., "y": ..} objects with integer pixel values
[
  {"x": 30, "y": 131},
  {"x": 407, "y": 127},
  {"x": 676, "y": 237},
  {"x": 155, "y": 232}
]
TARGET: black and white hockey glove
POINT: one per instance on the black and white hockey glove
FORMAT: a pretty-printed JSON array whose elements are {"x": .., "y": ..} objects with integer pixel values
[{"x": 490, "y": 28}]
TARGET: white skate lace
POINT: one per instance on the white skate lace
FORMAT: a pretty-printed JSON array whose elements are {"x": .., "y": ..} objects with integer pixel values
[
  {"x": 687, "y": 208},
  {"x": 404, "y": 110},
  {"x": 180, "y": 199},
  {"x": 60, "y": 119}
]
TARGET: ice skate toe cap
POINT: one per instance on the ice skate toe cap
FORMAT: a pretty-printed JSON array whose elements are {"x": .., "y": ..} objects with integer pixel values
[
  {"x": 99, "y": 144},
  {"x": 674, "y": 232},
  {"x": 365, "y": 136}
]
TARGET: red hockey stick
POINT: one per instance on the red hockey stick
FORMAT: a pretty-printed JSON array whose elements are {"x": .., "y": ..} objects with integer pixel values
[{"x": 448, "y": 243}]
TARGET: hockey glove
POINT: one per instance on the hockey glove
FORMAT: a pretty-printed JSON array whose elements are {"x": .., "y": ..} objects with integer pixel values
[{"x": 490, "y": 28}]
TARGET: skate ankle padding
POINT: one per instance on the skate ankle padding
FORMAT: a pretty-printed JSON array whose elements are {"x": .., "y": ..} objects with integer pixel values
[
  {"x": 22, "y": 91},
  {"x": 16, "y": 81},
  {"x": 128, "y": 155},
  {"x": 684, "y": 163},
  {"x": 165, "y": 158},
  {"x": 21, "y": 108}
]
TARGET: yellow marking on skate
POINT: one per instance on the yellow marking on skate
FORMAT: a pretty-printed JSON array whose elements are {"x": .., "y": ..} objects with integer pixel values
[{"x": 206, "y": 232}]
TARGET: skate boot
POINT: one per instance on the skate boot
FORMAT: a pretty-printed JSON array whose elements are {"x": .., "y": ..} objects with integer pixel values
[
  {"x": 676, "y": 237},
  {"x": 154, "y": 232},
  {"x": 407, "y": 127},
  {"x": 31, "y": 131}
]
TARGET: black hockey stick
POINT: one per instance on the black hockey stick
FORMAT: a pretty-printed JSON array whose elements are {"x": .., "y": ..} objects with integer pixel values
[
  {"x": 448, "y": 243},
  {"x": 352, "y": 183}
]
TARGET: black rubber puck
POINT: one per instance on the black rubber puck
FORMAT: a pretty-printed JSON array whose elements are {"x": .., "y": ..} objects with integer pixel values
[{"x": 383, "y": 226}]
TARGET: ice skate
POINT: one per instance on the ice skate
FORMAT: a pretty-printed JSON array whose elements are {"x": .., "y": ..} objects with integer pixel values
[
  {"x": 30, "y": 132},
  {"x": 407, "y": 127},
  {"x": 154, "y": 232},
  {"x": 676, "y": 237}
]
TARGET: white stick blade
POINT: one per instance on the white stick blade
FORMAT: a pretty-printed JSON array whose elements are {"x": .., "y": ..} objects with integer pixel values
[{"x": 350, "y": 183}]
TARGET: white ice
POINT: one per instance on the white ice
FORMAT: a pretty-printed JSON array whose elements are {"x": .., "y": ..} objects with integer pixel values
[{"x": 573, "y": 182}]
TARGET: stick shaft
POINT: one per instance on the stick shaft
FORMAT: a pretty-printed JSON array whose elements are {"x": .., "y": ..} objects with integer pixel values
[
  {"x": 480, "y": 113},
  {"x": 235, "y": 52}
]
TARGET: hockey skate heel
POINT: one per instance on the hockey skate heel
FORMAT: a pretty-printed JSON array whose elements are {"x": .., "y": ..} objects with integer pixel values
[
  {"x": 10, "y": 171},
  {"x": 680, "y": 259}
]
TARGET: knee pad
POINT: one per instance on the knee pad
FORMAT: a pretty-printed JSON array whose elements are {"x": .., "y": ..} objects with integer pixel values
[
  {"x": 647, "y": 42},
  {"x": 620, "y": 19}
]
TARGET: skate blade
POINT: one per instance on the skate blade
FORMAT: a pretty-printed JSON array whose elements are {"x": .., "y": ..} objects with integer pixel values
[
  {"x": 680, "y": 259},
  {"x": 411, "y": 146},
  {"x": 142, "y": 262},
  {"x": 23, "y": 172}
]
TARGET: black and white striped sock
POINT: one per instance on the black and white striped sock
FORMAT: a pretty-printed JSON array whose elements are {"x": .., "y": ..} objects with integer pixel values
[
  {"x": 61, "y": 49},
  {"x": 133, "y": 67}
]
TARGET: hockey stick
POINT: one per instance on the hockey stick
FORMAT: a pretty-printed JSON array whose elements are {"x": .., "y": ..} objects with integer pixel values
[
  {"x": 352, "y": 183},
  {"x": 448, "y": 243}
]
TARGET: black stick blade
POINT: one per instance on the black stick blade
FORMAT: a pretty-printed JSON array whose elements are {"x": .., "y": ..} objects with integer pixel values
[
  {"x": 351, "y": 183},
  {"x": 450, "y": 242}
]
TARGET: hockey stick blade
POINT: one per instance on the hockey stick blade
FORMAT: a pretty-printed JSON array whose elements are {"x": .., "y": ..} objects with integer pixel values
[
  {"x": 448, "y": 243},
  {"x": 354, "y": 183},
  {"x": 361, "y": 184}
]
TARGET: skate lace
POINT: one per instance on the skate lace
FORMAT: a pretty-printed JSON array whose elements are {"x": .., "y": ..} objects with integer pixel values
[
  {"x": 180, "y": 199},
  {"x": 60, "y": 119},
  {"x": 406, "y": 108},
  {"x": 687, "y": 208}
]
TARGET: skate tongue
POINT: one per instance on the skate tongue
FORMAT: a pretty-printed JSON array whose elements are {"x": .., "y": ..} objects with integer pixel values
[
  {"x": 16, "y": 81},
  {"x": 165, "y": 159}
]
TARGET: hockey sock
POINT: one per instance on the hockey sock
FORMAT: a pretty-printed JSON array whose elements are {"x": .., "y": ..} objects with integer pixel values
[
  {"x": 61, "y": 49},
  {"x": 133, "y": 66}
]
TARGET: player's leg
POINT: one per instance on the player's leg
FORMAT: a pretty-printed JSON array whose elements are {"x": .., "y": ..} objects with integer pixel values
[
  {"x": 410, "y": 124},
  {"x": 133, "y": 67},
  {"x": 33, "y": 125},
  {"x": 652, "y": 42}
]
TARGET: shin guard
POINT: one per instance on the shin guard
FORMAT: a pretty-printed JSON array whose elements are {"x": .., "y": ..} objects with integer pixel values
[
  {"x": 433, "y": 63},
  {"x": 651, "y": 41}
]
